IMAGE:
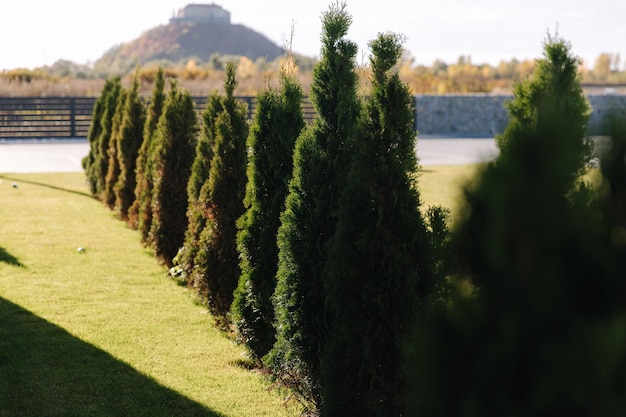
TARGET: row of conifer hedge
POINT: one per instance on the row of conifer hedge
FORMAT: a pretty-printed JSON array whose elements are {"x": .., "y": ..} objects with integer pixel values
[{"x": 310, "y": 243}]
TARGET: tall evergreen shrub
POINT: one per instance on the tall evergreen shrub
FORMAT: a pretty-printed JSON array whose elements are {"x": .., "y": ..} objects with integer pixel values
[
  {"x": 140, "y": 213},
  {"x": 277, "y": 123},
  {"x": 95, "y": 130},
  {"x": 175, "y": 142},
  {"x": 196, "y": 210},
  {"x": 113, "y": 166},
  {"x": 216, "y": 264},
  {"x": 555, "y": 83},
  {"x": 542, "y": 332},
  {"x": 128, "y": 144},
  {"x": 322, "y": 156},
  {"x": 381, "y": 266},
  {"x": 97, "y": 171},
  {"x": 204, "y": 150},
  {"x": 613, "y": 168}
]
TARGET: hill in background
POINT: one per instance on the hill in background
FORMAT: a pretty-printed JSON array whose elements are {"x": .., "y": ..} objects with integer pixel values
[{"x": 199, "y": 32}]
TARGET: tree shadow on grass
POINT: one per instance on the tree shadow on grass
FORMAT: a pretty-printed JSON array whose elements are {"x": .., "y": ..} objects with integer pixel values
[
  {"x": 45, "y": 371},
  {"x": 7, "y": 258},
  {"x": 41, "y": 184}
]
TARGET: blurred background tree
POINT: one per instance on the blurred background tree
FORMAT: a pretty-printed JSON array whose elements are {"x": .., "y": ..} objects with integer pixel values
[{"x": 65, "y": 78}]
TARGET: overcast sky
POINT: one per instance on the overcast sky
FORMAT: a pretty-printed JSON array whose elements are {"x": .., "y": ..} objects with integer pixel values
[{"x": 40, "y": 32}]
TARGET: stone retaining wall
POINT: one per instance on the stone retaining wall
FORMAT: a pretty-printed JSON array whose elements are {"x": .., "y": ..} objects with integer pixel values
[{"x": 485, "y": 115}]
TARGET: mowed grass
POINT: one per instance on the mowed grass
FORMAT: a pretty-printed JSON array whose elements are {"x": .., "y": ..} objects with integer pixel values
[
  {"x": 442, "y": 185},
  {"x": 104, "y": 332}
]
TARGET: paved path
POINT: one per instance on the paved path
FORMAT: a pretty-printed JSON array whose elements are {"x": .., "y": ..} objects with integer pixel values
[
  {"x": 455, "y": 151},
  {"x": 66, "y": 156},
  {"x": 42, "y": 156}
]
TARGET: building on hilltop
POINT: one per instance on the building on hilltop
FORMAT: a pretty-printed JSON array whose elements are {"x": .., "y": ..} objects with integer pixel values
[{"x": 202, "y": 13}]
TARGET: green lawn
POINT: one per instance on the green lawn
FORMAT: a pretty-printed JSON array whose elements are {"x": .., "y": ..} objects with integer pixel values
[
  {"x": 443, "y": 185},
  {"x": 104, "y": 332}
]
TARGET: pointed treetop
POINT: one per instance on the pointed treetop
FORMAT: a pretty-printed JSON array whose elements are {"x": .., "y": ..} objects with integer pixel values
[
  {"x": 335, "y": 23},
  {"x": 386, "y": 51},
  {"x": 135, "y": 84},
  {"x": 159, "y": 81},
  {"x": 231, "y": 82},
  {"x": 173, "y": 87},
  {"x": 559, "y": 61}
]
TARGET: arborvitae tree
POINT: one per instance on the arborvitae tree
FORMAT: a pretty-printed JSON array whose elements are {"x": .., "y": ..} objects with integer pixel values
[
  {"x": 216, "y": 264},
  {"x": 381, "y": 266},
  {"x": 130, "y": 140},
  {"x": 98, "y": 170},
  {"x": 113, "y": 166},
  {"x": 277, "y": 123},
  {"x": 613, "y": 168},
  {"x": 95, "y": 130},
  {"x": 542, "y": 332},
  {"x": 555, "y": 82},
  {"x": 175, "y": 142},
  {"x": 204, "y": 150},
  {"x": 199, "y": 174},
  {"x": 321, "y": 159},
  {"x": 140, "y": 213}
]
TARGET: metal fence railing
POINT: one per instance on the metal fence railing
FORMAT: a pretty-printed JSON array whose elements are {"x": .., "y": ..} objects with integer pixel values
[
  {"x": 70, "y": 117},
  {"x": 45, "y": 117}
]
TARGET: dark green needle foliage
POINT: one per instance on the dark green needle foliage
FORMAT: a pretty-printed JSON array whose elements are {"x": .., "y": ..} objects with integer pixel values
[
  {"x": 380, "y": 256},
  {"x": 216, "y": 264},
  {"x": 97, "y": 169},
  {"x": 543, "y": 331},
  {"x": 130, "y": 140},
  {"x": 140, "y": 212},
  {"x": 175, "y": 142},
  {"x": 113, "y": 166},
  {"x": 613, "y": 168},
  {"x": 277, "y": 123},
  {"x": 196, "y": 210},
  {"x": 95, "y": 130},
  {"x": 204, "y": 150},
  {"x": 322, "y": 155},
  {"x": 556, "y": 83}
]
